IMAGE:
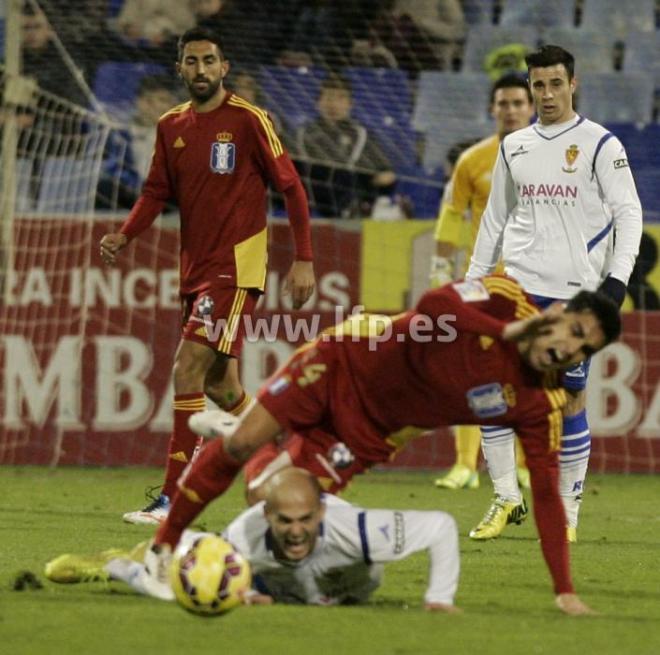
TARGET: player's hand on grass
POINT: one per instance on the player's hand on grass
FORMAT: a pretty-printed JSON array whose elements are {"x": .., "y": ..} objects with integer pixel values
[
  {"x": 530, "y": 327},
  {"x": 300, "y": 283},
  {"x": 442, "y": 607},
  {"x": 111, "y": 244},
  {"x": 570, "y": 604}
]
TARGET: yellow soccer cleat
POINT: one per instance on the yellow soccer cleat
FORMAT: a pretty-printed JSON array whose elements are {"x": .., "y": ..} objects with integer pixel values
[
  {"x": 571, "y": 535},
  {"x": 498, "y": 516},
  {"x": 459, "y": 477},
  {"x": 68, "y": 569}
]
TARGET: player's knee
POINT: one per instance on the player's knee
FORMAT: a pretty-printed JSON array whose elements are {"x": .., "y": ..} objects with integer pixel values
[{"x": 188, "y": 370}]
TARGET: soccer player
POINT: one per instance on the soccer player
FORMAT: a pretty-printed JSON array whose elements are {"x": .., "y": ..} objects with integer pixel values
[
  {"x": 305, "y": 547},
  {"x": 512, "y": 108},
  {"x": 215, "y": 155},
  {"x": 563, "y": 214},
  {"x": 471, "y": 352}
]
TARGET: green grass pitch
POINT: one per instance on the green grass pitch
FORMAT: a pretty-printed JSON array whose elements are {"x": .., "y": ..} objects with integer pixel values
[{"x": 504, "y": 588}]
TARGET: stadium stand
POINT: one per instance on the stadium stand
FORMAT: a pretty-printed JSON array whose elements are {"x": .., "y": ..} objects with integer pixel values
[
  {"x": 619, "y": 18},
  {"x": 593, "y": 50},
  {"x": 538, "y": 13},
  {"x": 605, "y": 97},
  {"x": 442, "y": 96}
]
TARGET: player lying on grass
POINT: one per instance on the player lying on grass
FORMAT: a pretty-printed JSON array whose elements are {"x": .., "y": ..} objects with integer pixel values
[
  {"x": 304, "y": 547},
  {"x": 470, "y": 352}
]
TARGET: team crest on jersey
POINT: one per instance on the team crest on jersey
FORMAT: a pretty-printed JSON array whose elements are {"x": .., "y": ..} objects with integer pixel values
[
  {"x": 471, "y": 290},
  {"x": 487, "y": 400},
  {"x": 571, "y": 155},
  {"x": 223, "y": 156}
]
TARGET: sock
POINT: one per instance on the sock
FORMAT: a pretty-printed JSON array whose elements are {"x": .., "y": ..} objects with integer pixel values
[
  {"x": 209, "y": 475},
  {"x": 183, "y": 440},
  {"x": 241, "y": 406},
  {"x": 468, "y": 440},
  {"x": 573, "y": 463},
  {"x": 497, "y": 444}
]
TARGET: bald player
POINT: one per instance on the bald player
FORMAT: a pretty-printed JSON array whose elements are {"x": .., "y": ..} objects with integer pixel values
[{"x": 305, "y": 547}]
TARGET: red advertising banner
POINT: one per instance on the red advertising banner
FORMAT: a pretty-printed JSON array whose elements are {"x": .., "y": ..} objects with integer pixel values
[{"x": 86, "y": 350}]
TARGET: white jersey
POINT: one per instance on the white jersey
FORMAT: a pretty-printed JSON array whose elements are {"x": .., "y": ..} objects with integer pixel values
[
  {"x": 563, "y": 211},
  {"x": 346, "y": 564}
]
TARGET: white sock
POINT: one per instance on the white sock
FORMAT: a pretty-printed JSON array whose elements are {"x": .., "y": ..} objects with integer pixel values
[
  {"x": 498, "y": 447},
  {"x": 573, "y": 464}
]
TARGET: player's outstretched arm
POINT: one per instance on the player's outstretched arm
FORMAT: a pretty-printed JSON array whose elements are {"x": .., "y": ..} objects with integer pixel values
[
  {"x": 300, "y": 282},
  {"x": 570, "y": 604},
  {"x": 111, "y": 244}
]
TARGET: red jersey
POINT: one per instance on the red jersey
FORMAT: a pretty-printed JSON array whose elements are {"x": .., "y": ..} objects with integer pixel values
[
  {"x": 217, "y": 166},
  {"x": 374, "y": 394}
]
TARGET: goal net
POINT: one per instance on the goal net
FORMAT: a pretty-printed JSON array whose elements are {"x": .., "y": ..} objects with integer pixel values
[{"x": 371, "y": 100}]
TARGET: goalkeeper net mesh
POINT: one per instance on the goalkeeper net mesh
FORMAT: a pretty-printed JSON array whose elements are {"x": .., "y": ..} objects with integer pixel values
[{"x": 86, "y": 350}]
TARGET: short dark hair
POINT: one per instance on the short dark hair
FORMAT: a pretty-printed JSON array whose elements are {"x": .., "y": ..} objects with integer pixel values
[
  {"x": 550, "y": 55},
  {"x": 336, "y": 81},
  {"x": 603, "y": 307},
  {"x": 510, "y": 81},
  {"x": 200, "y": 34}
]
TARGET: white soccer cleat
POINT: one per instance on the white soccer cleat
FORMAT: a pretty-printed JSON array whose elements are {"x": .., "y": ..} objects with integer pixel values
[
  {"x": 213, "y": 423},
  {"x": 153, "y": 514}
]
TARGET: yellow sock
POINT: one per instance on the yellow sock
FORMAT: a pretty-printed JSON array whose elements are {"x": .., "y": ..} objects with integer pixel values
[{"x": 468, "y": 442}]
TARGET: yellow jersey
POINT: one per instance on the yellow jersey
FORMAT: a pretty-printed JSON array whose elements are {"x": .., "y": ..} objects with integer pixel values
[{"x": 467, "y": 194}]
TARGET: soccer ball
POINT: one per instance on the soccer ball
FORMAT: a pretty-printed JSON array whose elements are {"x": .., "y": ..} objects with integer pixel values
[
  {"x": 205, "y": 306},
  {"x": 209, "y": 577},
  {"x": 340, "y": 455}
]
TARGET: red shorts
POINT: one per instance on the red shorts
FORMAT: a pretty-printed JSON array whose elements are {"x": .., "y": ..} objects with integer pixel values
[
  {"x": 313, "y": 396},
  {"x": 214, "y": 317},
  {"x": 318, "y": 452}
]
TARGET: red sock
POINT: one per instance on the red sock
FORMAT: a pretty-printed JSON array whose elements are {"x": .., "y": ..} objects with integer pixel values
[
  {"x": 211, "y": 474},
  {"x": 183, "y": 440},
  {"x": 239, "y": 406}
]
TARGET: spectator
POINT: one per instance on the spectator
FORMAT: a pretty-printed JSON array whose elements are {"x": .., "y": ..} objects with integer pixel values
[
  {"x": 42, "y": 60},
  {"x": 245, "y": 85},
  {"x": 421, "y": 34},
  {"x": 154, "y": 21},
  {"x": 245, "y": 26},
  {"x": 317, "y": 36},
  {"x": 345, "y": 167},
  {"x": 130, "y": 151}
]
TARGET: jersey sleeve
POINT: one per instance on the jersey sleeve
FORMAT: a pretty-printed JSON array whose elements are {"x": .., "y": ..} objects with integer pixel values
[
  {"x": 156, "y": 191},
  {"x": 540, "y": 438},
  {"x": 618, "y": 189},
  {"x": 387, "y": 536},
  {"x": 454, "y": 205},
  {"x": 282, "y": 174},
  {"x": 501, "y": 201}
]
